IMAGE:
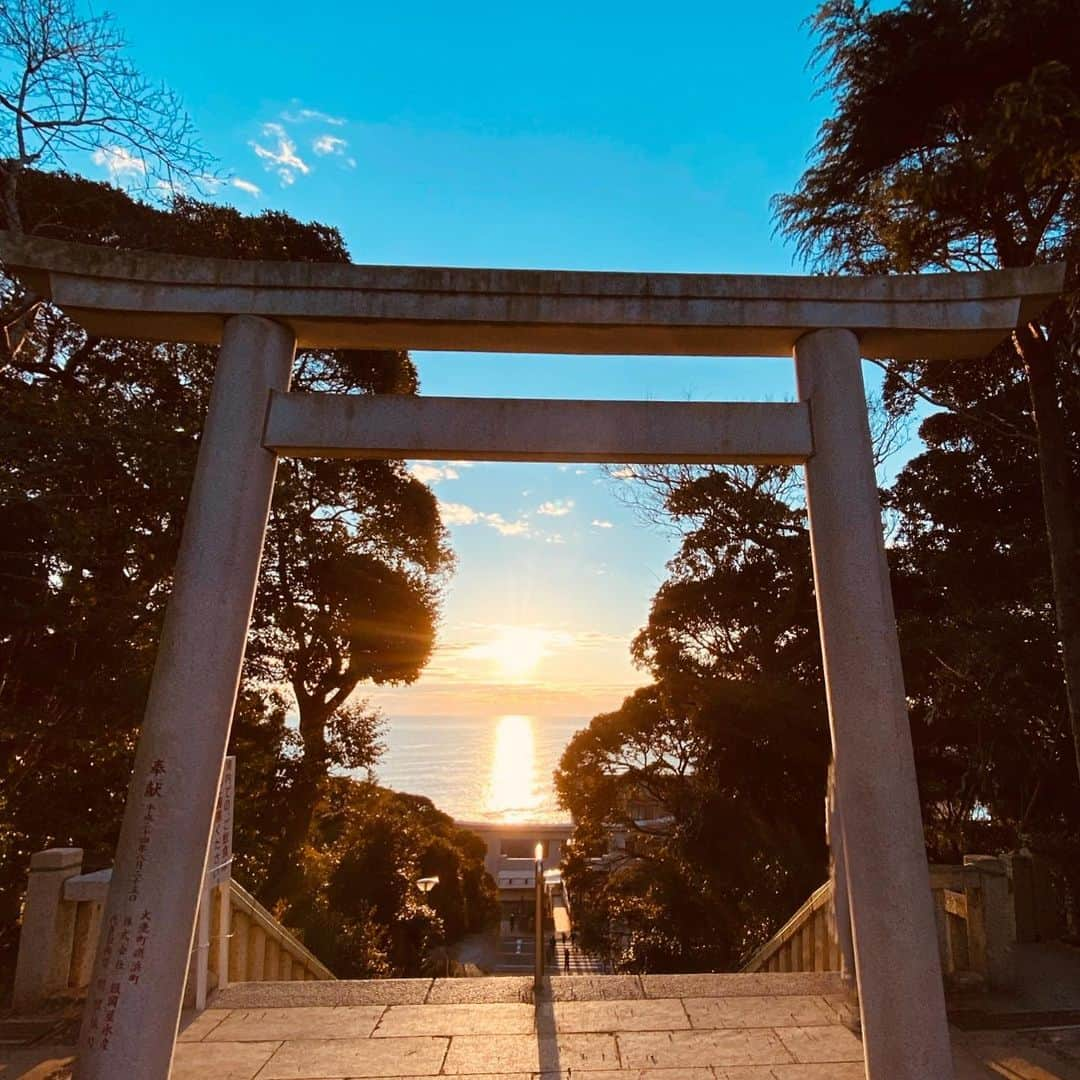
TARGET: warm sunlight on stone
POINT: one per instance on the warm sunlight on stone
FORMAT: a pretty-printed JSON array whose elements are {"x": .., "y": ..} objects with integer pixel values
[{"x": 512, "y": 794}]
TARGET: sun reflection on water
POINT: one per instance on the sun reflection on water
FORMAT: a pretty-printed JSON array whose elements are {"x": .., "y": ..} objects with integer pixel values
[{"x": 512, "y": 793}]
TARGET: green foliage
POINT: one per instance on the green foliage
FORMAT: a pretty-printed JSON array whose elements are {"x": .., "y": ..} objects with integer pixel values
[
  {"x": 974, "y": 597},
  {"x": 955, "y": 139},
  {"x": 711, "y": 782},
  {"x": 99, "y": 437},
  {"x": 955, "y": 143},
  {"x": 715, "y": 774},
  {"x": 360, "y": 903}
]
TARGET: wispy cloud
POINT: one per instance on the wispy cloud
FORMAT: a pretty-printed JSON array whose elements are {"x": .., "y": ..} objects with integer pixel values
[
  {"x": 598, "y": 523},
  {"x": 281, "y": 157},
  {"x": 120, "y": 162},
  {"x": 506, "y": 528},
  {"x": 556, "y": 507},
  {"x": 430, "y": 472},
  {"x": 306, "y": 116},
  {"x": 246, "y": 186},
  {"x": 459, "y": 514},
  {"x": 329, "y": 144}
]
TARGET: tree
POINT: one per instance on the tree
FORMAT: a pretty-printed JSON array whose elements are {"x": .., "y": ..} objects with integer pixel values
[
  {"x": 738, "y": 602},
  {"x": 716, "y": 773},
  {"x": 101, "y": 437},
  {"x": 342, "y": 618},
  {"x": 361, "y": 904},
  {"x": 974, "y": 601},
  {"x": 955, "y": 143},
  {"x": 67, "y": 89}
]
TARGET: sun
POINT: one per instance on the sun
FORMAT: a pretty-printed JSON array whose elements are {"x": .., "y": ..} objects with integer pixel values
[{"x": 517, "y": 651}]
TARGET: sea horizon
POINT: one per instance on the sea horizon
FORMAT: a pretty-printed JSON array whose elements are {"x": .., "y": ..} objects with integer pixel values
[{"x": 493, "y": 768}]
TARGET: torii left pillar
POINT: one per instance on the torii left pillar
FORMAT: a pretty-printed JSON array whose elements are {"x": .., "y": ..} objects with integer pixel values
[{"x": 133, "y": 1007}]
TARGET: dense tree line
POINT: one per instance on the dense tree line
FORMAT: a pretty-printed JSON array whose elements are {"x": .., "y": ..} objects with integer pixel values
[
  {"x": 955, "y": 144},
  {"x": 715, "y": 773},
  {"x": 99, "y": 440}
]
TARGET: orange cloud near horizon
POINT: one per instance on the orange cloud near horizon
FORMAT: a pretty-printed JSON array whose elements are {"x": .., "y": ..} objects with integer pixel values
[{"x": 494, "y": 669}]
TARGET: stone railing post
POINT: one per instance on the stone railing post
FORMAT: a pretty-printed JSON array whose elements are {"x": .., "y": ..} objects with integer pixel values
[
  {"x": 48, "y": 928},
  {"x": 991, "y": 919}
]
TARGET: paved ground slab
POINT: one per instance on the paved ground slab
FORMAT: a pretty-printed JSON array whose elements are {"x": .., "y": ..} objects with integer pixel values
[
  {"x": 787, "y": 1010},
  {"x": 288, "y": 995},
  {"x": 303, "y": 1022},
  {"x": 662, "y": 1027},
  {"x": 666, "y": 1014},
  {"x": 497, "y": 1018},
  {"x": 674, "y": 1049},
  {"x": 333, "y": 1058}
]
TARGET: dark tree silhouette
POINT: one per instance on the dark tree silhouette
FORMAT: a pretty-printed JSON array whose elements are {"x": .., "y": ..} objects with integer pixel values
[
  {"x": 955, "y": 143},
  {"x": 99, "y": 439}
]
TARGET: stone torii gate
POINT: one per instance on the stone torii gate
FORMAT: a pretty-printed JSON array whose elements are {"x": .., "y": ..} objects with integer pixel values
[{"x": 260, "y": 312}]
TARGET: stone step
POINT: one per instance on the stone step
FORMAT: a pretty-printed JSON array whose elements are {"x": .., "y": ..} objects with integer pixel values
[
  {"x": 611, "y": 1027},
  {"x": 269, "y": 995}
]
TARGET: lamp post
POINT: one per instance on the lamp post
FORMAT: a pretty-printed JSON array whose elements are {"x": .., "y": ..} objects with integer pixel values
[
  {"x": 539, "y": 875},
  {"x": 425, "y": 885}
]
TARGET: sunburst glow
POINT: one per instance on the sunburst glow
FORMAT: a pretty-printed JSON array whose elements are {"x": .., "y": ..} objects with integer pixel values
[
  {"x": 512, "y": 793},
  {"x": 516, "y": 652}
]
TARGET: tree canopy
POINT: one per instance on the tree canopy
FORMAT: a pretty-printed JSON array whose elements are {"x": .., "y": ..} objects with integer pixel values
[
  {"x": 68, "y": 88},
  {"x": 361, "y": 904},
  {"x": 101, "y": 437},
  {"x": 954, "y": 143},
  {"x": 699, "y": 804},
  {"x": 715, "y": 774}
]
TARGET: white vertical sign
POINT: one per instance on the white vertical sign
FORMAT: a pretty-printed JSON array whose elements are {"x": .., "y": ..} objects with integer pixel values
[
  {"x": 219, "y": 864},
  {"x": 218, "y": 872}
]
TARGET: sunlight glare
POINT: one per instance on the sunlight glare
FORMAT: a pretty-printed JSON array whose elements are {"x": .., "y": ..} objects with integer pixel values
[
  {"x": 512, "y": 792},
  {"x": 517, "y": 650}
]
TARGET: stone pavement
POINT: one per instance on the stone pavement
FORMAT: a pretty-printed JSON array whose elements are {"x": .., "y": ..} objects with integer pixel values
[{"x": 656, "y": 1027}]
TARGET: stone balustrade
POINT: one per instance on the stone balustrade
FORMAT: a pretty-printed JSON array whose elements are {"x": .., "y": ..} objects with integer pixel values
[
  {"x": 261, "y": 949},
  {"x": 981, "y": 910},
  {"x": 62, "y": 920},
  {"x": 806, "y": 942}
]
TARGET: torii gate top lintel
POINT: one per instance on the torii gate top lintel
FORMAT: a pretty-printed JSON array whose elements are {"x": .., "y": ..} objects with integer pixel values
[{"x": 334, "y": 305}]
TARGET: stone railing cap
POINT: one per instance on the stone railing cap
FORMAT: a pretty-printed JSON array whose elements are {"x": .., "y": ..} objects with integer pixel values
[{"x": 57, "y": 858}]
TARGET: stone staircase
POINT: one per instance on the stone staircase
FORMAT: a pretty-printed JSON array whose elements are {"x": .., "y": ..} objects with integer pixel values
[
  {"x": 571, "y": 959},
  {"x": 764, "y": 1026},
  {"x": 680, "y": 1027},
  {"x": 516, "y": 956}
]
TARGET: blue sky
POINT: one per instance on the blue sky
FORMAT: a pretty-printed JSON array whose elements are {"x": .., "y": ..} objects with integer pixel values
[{"x": 597, "y": 136}]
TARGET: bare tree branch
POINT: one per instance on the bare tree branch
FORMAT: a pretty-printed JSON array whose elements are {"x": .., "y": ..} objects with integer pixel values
[{"x": 67, "y": 88}]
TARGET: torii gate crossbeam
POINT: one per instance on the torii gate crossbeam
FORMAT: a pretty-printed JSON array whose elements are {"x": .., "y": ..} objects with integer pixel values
[{"x": 259, "y": 312}]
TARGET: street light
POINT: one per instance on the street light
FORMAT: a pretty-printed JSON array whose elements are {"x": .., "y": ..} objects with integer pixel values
[
  {"x": 538, "y": 871},
  {"x": 425, "y": 885}
]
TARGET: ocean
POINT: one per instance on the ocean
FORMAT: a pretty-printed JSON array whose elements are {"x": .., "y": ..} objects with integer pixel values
[{"x": 492, "y": 768}]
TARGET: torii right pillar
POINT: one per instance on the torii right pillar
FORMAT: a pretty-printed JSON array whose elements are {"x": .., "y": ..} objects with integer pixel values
[{"x": 905, "y": 1033}]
